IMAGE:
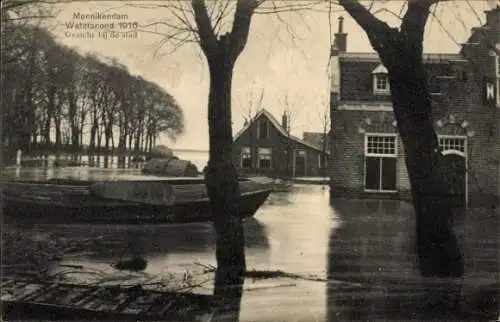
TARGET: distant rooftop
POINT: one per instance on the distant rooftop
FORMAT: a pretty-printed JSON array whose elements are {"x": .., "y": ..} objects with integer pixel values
[{"x": 428, "y": 58}]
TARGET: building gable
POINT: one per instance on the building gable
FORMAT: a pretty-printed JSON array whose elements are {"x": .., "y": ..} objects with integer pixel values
[{"x": 263, "y": 113}]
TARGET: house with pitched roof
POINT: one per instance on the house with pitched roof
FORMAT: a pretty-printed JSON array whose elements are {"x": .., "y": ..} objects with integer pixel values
[
  {"x": 265, "y": 146},
  {"x": 366, "y": 153}
]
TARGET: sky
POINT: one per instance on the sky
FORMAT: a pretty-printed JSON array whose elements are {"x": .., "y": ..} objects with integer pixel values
[{"x": 286, "y": 57}]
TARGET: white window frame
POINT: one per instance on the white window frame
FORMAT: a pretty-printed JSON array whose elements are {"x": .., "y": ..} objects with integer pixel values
[
  {"x": 464, "y": 154},
  {"x": 246, "y": 152},
  {"x": 264, "y": 153},
  {"x": 376, "y": 73},
  {"x": 380, "y": 155},
  {"x": 497, "y": 74},
  {"x": 378, "y": 90},
  {"x": 450, "y": 147}
]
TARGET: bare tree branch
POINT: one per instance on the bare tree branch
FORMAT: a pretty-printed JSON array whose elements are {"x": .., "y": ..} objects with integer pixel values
[
  {"x": 414, "y": 21},
  {"x": 436, "y": 18},
  {"x": 221, "y": 16},
  {"x": 378, "y": 31},
  {"x": 291, "y": 108},
  {"x": 388, "y": 11},
  {"x": 274, "y": 8},
  {"x": 364, "y": 17},
  {"x": 208, "y": 40},
  {"x": 241, "y": 25}
]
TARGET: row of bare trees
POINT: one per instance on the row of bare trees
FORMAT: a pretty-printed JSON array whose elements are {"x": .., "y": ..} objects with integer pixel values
[{"x": 56, "y": 98}]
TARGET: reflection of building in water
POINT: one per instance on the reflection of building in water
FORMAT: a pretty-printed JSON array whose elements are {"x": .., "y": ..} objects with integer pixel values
[
  {"x": 375, "y": 246},
  {"x": 367, "y": 157}
]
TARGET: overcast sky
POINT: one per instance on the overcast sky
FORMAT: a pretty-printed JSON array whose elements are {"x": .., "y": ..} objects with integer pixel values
[{"x": 286, "y": 56}]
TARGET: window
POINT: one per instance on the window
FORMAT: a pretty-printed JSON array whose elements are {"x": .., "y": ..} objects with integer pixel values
[
  {"x": 497, "y": 69},
  {"x": 264, "y": 157},
  {"x": 452, "y": 143},
  {"x": 497, "y": 63},
  {"x": 380, "y": 80},
  {"x": 322, "y": 161},
  {"x": 246, "y": 158},
  {"x": 263, "y": 129},
  {"x": 381, "y": 83},
  {"x": 380, "y": 162}
]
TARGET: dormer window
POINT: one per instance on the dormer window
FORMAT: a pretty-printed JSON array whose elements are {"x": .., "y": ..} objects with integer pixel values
[{"x": 380, "y": 80}]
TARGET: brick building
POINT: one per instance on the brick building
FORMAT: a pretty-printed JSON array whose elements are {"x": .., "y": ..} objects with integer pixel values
[
  {"x": 367, "y": 156},
  {"x": 264, "y": 146}
]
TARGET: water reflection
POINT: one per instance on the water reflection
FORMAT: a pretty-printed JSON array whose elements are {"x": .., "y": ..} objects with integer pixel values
[
  {"x": 79, "y": 173},
  {"x": 375, "y": 247},
  {"x": 280, "y": 198},
  {"x": 369, "y": 245},
  {"x": 199, "y": 158},
  {"x": 110, "y": 242},
  {"x": 298, "y": 225},
  {"x": 373, "y": 244}
]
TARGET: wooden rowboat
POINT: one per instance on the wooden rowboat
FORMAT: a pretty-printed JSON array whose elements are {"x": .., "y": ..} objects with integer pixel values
[
  {"x": 31, "y": 299},
  {"x": 121, "y": 201}
]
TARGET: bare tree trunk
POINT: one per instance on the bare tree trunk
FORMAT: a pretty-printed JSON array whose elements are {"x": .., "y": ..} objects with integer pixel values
[
  {"x": 151, "y": 139},
  {"x": 401, "y": 53},
  {"x": 93, "y": 135},
  {"x": 148, "y": 142},
  {"x": 137, "y": 141},
  {"x": 223, "y": 188},
  {"x": 142, "y": 145},
  {"x": 99, "y": 139},
  {"x": 57, "y": 123},
  {"x": 437, "y": 245},
  {"x": 130, "y": 141},
  {"x": 221, "y": 177}
]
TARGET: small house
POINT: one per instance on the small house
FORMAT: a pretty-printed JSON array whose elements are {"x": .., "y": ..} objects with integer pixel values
[{"x": 265, "y": 146}]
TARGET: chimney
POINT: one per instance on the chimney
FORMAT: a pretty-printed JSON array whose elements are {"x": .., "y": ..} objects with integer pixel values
[
  {"x": 284, "y": 121},
  {"x": 493, "y": 20},
  {"x": 341, "y": 24},
  {"x": 340, "y": 40}
]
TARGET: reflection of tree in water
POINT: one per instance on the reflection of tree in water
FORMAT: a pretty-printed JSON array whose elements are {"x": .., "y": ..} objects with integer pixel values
[
  {"x": 256, "y": 234},
  {"x": 279, "y": 198},
  {"x": 373, "y": 246},
  {"x": 116, "y": 241}
]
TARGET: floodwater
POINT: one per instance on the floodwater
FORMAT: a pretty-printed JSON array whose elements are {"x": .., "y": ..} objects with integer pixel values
[
  {"x": 197, "y": 157},
  {"x": 347, "y": 261}
]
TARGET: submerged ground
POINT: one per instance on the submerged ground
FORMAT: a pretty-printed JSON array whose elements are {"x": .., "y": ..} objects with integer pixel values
[{"x": 352, "y": 260}]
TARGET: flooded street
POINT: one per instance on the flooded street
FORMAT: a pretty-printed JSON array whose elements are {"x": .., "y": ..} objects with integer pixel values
[
  {"x": 342, "y": 262},
  {"x": 289, "y": 232}
]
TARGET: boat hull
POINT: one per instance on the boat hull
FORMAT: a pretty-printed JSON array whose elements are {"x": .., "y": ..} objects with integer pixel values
[{"x": 93, "y": 209}]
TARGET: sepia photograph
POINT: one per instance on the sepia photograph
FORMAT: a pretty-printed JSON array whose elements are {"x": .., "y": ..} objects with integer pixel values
[{"x": 250, "y": 160}]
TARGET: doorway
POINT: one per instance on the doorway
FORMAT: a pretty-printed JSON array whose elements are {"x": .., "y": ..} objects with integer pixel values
[
  {"x": 300, "y": 164},
  {"x": 457, "y": 176}
]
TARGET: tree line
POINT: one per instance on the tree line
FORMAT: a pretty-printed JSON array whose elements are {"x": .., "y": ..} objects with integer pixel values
[{"x": 57, "y": 99}]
